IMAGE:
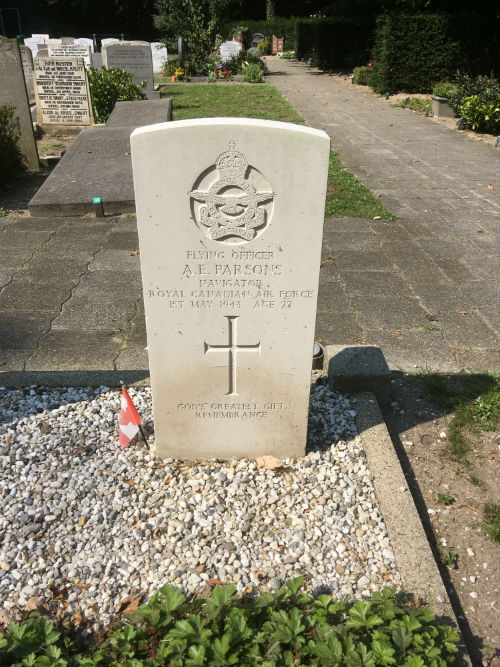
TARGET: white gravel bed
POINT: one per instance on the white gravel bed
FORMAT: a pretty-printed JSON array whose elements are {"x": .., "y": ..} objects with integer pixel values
[{"x": 96, "y": 523}]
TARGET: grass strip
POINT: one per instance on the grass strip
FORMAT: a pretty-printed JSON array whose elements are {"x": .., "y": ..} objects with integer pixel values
[{"x": 346, "y": 196}]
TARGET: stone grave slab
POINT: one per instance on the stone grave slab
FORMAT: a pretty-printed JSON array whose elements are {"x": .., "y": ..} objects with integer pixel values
[
  {"x": 85, "y": 40},
  {"x": 62, "y": 92},
  {"x": 98, "y": 164},
  {"x": 96, "y": 60},
  {"x": 230, "y": 238},
  {"x": 27, "y": 61},
  {"x": 13, "y": 91},
  {"x": 159, "y": 55}
]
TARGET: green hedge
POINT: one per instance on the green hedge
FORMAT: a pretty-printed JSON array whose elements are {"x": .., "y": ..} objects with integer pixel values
[
  {"x": 333, "y": 43},
  {"x": 414, "y": 52},
  {"x": 11, "y": 160}
]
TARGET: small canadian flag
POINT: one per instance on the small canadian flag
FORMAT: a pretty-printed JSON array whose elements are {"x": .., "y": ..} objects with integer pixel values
[{"x": 129, "y": 419}]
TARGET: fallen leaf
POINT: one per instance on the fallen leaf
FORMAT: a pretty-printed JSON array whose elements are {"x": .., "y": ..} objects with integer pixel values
[
  {"x": 469, "y": 507},
  {"x": 134, "y": 252},
  {"x": 83, "y": 586},
  {"x": 82, "y": 521},
  {"x": 130, "y": 482},
  {"x": 345, "y": 169},
  {"x": 269, "y": 462},
  {"x": 491, "y": 187},
  {"x": 200, "y": 569},
  {"x": 215, "y": 582},
  {"x": 378, "y": 217},
  {"x": 247, "y": 590},
  {"x": 129, "y": 604},
  {"x": 76, "y": 620},
  {"x": 35, "y": 604},
  {"x": 462, "y": 312},
  {"x": 167, "y": 479}
]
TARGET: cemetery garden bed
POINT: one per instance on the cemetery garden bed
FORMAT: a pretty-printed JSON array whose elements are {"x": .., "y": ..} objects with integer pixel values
[{"x": 451, "y": 494}]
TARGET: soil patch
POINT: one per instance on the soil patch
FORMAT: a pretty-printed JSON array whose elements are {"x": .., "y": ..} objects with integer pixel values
[{"x": 468, "y": 558}]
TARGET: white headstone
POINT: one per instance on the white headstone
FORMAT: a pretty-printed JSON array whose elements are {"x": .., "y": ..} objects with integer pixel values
[
  {"x": 85, "y": 40},
  {"x": 40, "y": 35},
  {"x": 62, "y": 92},
  {"x": 159, "y": 55},
  {"x": 109, "y": 40},
  {"x": 228, "y": 50},
  {"x": 53, "y": 42},
  {"x": 67, "y": 40},
  {"x": 34, "y": 43},
  {"x": 70, "y": 51},
  {"x": 133, "y": 57},
  {"x": 230, "y": 239}
]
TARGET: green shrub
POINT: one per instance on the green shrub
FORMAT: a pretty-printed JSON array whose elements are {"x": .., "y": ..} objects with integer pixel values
[
  {"x": 418, "y": 104},
  {"x": 287, "y": 628},
  {"x": 444, "y": 89},
  {"x": 109, "y": 86},
  {"x": 288, "y": 55},
  {"x": 253, "y": 73},
  {"x": 169, "y": 68},
  {"x": 281, "y": 27},
  {"x": 477, "y": 100},
  {"x": 11, "y": 161},
  {"x": 363, "y": 75},
  {"x": 264, "y": 45}
]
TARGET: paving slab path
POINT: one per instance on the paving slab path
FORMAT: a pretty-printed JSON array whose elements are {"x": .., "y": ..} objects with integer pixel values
[{"x": 424, "y": 287}]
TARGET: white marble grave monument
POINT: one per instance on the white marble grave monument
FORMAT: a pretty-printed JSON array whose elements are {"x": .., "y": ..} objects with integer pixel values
[{"x": 230, "y": 241}]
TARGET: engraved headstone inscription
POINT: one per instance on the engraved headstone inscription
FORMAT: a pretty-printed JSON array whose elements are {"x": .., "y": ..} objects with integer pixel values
[
  {"x": 64, "y": 50},
  {"x": 62, "y": 92},
  {"x": 13, "y": 91},
  {"x": 230, "y": 245}
]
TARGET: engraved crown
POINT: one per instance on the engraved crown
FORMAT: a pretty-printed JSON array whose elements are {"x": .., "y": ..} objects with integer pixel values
[{"x": 232, "y": 162}]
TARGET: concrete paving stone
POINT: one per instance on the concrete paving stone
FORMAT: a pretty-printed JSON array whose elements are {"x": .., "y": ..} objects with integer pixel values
[
  {"x": 420, "y": 228},
  {"x": 15, "y": 240},
  {"x": 93, "y": 312},
  {"x": 22, "y": 329},
  {"x": 13, "y": 359},
  {"x": 85, "y": 225},
  {"x": 455, "y": 298},
  {"x": 390, "y": 230},
  {"x": 422, "y": 273},
  {"x": 45, "y": 269},
  {"x": 388, "y": 312},
  {"x": 121, "y": 240},
  {"x": 444, "y": 247},
  {"x": 467, "y": 330},
  {"x": 484, "y": 267},
  {"x": 338, "y": 328},
  {"x": 363, "y": 260},
  {"x": 13, "y": 260},
  {"x": 331, "y": 296},
  {"x": 122, "y": 223},
  {"x": 34, "y": 296},
  {"x": 6, "y": 277},
  {"x": 340, "y": 225},
  {"x": 110, "y": 283},
  {"x": 337, "y": 241},
  {"x": 133, "y": 357},
  {"x": 477, "y": 359},
  {"x": 328, "y": 272},
  {"x": 455, "y": 270},
  {"x": 37, "y": 224},
  {"x": 75, "y": 350},
  {"x": 365, "y": 283},
  {"x": 121, "y": 259},
  {"x": 414, "y": 349}
]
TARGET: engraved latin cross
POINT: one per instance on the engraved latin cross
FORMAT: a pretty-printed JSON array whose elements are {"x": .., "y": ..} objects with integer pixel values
[{"x": 233, "y": 348}]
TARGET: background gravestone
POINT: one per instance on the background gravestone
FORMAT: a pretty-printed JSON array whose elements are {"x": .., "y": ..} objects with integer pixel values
[
  {"x": 277, "y": 45},
  {"x": 133, "y": 57},
  {"x": 85, "y": 40},
  {"x": 230, "y": 241},
  {"x": 35, "y": 42},
  {"x": 228, "y": 50},
  {"x": 27, "y": 61},
  {"x": 62, "y": 92},
  {"x": 159, "y": 55},
  {"x": 13, "y": 91},
  {"x": 96, "y": 60},
  {"x": 62, "y": 51},
  {"x": 256, "y": 37}
]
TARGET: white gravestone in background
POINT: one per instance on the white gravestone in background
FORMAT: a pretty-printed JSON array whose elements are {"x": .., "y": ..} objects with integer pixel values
[
  {"x": 159, "y": 54},
  {"x": 230, "y": 242},
  {"x": 87, "y": 41},
  {"x": 70, "y": 51},
  {"x": 228, "y": 50},
  {"x": 34, "y": 43}
]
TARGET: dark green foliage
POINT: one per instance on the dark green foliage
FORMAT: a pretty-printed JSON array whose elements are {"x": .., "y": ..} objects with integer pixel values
[
  {"x": 363, "y": 75},
  {"x": 11, "y": 162},
  {"x": 253, "y": 73},
  {"x": 280, "y": 27},
  {"x": 445, "y": 89},
  {"x": 418, "y": 104},
  {"x": 412, "y": 53},
  {"x": 287, "y": 628},
  {"x": 491, "y": 521},
  {"x": 333, "y": 43},
  {"x": 109, "y": 86}
]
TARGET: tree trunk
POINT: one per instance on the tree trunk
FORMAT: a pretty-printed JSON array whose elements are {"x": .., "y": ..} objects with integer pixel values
[{"x": 269, "y": 9}]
